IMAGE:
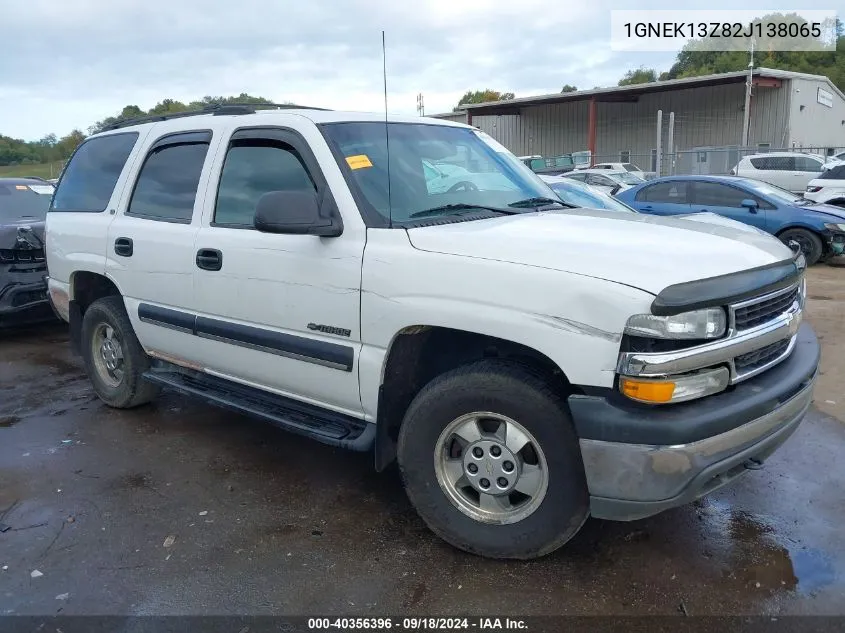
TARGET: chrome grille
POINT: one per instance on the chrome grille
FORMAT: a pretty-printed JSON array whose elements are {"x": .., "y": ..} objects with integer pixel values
[
  {"x": 761, "y": 357},
  {"x": 749, "y": 315}
]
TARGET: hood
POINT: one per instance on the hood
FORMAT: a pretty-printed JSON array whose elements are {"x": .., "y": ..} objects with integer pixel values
[
  {"x": 22, "y": 234},
  {"x": 836, "y": 213},
  {"x": 643, "y": 251},
  {"x": 712, "y": 218}
]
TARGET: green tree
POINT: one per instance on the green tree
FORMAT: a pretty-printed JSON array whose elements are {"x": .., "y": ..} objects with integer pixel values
[
  {"x": 568, "y": 88},
  {"x": 698, "y": 57},
  {"x": 641, "y": 75},
  {"x": 483, "y": 96}
]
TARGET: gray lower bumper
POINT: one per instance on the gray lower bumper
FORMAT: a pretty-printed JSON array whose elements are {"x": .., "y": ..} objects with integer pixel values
[{"x": 634, "y": 481}]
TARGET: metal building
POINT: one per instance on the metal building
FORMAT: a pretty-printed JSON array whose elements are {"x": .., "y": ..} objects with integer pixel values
[{"x": 788, "y": 110}]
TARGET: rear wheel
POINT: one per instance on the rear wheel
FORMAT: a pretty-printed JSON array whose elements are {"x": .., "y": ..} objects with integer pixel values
[
  {"x": 114, "y": 359},
  {"x": 491, "y": 462},
  {"x": 810, "y": 243}
]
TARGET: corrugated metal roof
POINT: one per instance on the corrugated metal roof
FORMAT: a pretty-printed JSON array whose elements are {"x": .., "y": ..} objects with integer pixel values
[{"x": 620, "y": 93}]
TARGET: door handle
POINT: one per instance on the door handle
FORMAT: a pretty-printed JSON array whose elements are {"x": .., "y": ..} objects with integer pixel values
[
  {"x": 209, "y": 259},
  {"x": 123, "y": 246},
  {"x": 648, "y": 208}
]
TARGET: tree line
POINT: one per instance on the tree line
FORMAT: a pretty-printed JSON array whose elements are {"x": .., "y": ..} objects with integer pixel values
[{"x": 51, "y": 149}]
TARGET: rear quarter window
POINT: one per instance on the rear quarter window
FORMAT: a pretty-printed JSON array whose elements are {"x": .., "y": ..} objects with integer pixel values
[
  {"x": 89, "y": 178},
  {"x": 774, "y": 163}
]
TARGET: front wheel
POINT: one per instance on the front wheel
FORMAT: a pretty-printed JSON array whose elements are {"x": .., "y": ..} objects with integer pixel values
[
  {"x": 114, "y": 359},
  {"x": 810, "y": 243},
  {"x": 491, "y": 462}
]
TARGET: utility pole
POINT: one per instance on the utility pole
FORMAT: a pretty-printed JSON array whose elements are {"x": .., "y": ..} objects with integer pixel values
[
  {"x": 420, "y": 105},
  {"x": 670, "y": 144},
  {"x": 659, "y": 144},
  {"x": 746, "y": 114}
]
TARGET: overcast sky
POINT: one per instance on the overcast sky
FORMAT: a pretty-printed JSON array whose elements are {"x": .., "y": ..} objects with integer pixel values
[{"x": 69, "y": 64}]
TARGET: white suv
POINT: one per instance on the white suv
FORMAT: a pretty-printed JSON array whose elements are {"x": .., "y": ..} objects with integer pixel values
[
  {"x": 829, "y": 187},
  {"x": 787, "y": 170},
  {"x": 526, "y": 363}
]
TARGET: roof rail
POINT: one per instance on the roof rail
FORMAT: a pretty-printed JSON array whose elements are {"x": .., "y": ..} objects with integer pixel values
[{"x": 215, "y": 109}]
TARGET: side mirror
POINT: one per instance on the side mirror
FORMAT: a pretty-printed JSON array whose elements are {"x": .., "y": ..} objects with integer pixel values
[
  {"x": 749, "y": 204},
  {"x": 295, "y": 213}
]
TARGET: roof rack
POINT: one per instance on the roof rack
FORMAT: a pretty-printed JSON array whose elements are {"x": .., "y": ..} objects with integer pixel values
[{"x": 215, "y": 109}]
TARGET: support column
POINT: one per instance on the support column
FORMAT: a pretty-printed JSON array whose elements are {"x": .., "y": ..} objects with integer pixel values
[{"x": 591, "y": 131}]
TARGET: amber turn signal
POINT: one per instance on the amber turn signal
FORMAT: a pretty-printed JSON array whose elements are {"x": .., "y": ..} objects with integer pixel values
[{"x": 647, "y": 390}]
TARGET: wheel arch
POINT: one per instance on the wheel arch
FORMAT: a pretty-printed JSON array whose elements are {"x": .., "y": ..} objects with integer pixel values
[
  {"x": 86, "y": 287},
  {"x": 418, "y": 353}
]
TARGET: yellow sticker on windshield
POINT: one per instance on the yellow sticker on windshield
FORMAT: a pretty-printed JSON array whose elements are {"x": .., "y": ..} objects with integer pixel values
[{"x": 359, "y": 161}]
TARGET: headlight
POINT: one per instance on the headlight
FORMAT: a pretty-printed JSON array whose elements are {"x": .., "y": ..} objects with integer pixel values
[
  {"x": 835, "y": 227},
  {"x": 698, "y": 324}
]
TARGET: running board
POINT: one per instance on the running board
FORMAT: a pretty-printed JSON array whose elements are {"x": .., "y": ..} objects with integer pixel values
[{"x": 328, "y": 427}]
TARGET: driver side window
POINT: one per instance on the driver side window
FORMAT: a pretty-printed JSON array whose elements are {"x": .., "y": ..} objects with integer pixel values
[{"x": 252, "y": 168}]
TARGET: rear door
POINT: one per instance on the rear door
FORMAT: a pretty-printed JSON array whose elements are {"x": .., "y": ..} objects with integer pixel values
[
  {"x": 151, "y": 241},
  {"x": 726, "y": 200},
  {"x": 776, "y": 170},
  {"x": 663, "y": 198}
]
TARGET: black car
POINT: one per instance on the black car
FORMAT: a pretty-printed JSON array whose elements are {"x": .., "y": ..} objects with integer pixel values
[{"x": 23, "y": 267}]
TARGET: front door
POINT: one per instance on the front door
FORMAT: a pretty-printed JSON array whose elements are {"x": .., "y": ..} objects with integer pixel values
[
  {"x": 727, "y": 201},
  {"x": 278, "y": 312}
]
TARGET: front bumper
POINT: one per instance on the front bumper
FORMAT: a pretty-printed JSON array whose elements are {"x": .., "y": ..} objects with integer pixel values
[
  {"x": 23, "y": 297},
  {"x": 641, "y": 460}
]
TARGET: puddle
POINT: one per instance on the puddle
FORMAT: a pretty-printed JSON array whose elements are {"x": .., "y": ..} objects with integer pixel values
[
  {"x": 759, "y": 557},
  {"x": 8, "y": 421},
  {"x": 813, "y": 568}
]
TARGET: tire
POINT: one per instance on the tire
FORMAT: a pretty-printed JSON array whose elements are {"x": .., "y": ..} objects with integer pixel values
[
  {"x": 514, "y": 392},
  {"x": 811, "y": 244},
  {"x": 126, "y": 389}
]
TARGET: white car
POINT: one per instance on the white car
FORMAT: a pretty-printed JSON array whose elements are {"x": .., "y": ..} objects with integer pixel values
[
  {"x": 629, "y": 167},
  {"x": 526, "y": 364},
  {"x": 829, "y": 187},
  {"x": 788, "y": 170},
  {"x": 609, "y": 181}
]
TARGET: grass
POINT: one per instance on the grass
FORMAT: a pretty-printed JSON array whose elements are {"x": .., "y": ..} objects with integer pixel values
[{"x": 45, "y": 170}]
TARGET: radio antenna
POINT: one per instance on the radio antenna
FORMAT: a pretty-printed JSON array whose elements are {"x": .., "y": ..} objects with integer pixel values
[{"x": 386, "y": 130}]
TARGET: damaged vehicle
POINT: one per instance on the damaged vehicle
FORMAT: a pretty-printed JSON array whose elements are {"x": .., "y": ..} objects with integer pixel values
[
  {"x": 23, "y": 266},
  {"x": 527, "y": 363}
]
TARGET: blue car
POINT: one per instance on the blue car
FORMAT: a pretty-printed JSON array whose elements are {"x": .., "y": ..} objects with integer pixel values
[{"x": 818, "y": 228}]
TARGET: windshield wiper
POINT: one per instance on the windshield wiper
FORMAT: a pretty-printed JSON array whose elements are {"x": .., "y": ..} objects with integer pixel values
[
  {"x": 539, "y": 202},
  {"x": 459, "y": 206}
]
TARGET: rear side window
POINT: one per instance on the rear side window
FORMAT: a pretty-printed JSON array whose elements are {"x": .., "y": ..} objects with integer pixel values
[
  {"x": 253, "y": 168},
  {"x": 774, "y": 163},
  {"x": 89, "y": 179},
  {"x": 667, "y": 192},
  {"x": 167, "y": 185}
]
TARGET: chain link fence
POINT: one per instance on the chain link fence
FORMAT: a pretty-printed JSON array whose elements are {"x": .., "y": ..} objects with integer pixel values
[{"x": 716, "y": 160}]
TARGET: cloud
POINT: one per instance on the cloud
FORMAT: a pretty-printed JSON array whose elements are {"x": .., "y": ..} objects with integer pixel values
[{"x": 77, "y": 62}]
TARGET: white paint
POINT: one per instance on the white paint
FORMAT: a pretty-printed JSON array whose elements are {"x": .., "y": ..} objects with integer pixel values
[{"x": 562, "y": 283}]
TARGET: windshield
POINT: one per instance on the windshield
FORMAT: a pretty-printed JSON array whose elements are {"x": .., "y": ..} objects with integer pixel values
[
  {"x": 24, "y": 202},
  {"x": 630, "y": 167},
  {"x": 625, "y": 178},
  {"x": 584, "y": 196},
  {"x": 431, "y": 167},
  {"x": 781, "y": 195}
]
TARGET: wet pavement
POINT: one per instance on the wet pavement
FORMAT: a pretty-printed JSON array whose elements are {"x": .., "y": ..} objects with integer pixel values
[{"x": 181, "y": 508}]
